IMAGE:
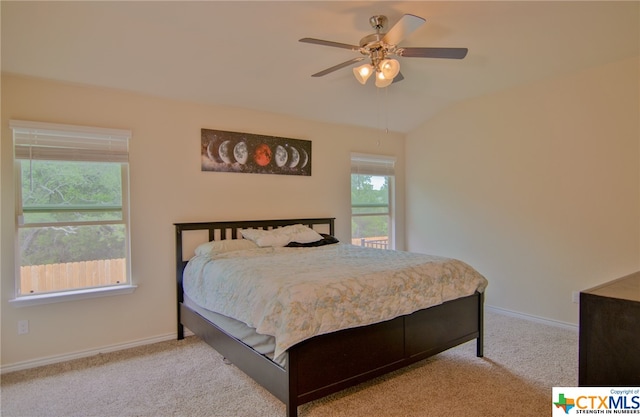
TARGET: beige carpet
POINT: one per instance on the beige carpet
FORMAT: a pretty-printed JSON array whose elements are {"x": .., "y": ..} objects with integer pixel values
[{"x": 523, "y": 361}]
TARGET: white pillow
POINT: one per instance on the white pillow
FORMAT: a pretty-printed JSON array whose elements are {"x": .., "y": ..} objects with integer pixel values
[
  {"x": 220, "y": 246},
  {"x": 281, "y": 236},
  {"x": 264, "y": 238}
]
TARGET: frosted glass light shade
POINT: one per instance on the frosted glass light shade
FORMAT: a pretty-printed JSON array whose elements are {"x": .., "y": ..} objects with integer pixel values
[
  {"x": 381, "y": 80},
  {"x": 363, "y": 72},
  {"x": 390, "y": 68}
]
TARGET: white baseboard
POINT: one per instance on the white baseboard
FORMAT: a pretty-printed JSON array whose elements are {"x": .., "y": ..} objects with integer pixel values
[
  {"x": 537, "y": 319},
  {"x": 20, "y": 366}
]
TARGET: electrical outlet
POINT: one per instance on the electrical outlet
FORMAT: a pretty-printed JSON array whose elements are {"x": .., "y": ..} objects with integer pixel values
[
  {"x": 575, "y": 296},
  {"x": 23, "y": 326}
]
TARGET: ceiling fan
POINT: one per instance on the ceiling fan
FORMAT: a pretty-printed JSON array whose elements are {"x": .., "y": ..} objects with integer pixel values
[{"x": 379, "y": 46}]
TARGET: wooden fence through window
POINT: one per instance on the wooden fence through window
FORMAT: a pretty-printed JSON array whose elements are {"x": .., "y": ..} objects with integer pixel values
[
  {"x": 72, "y": 275},
  {"x": 381, "y": 242}
]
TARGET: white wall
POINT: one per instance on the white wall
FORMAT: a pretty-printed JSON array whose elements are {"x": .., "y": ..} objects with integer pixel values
[
  {"x": 538, "y": 187},
  {"x": 167, "y": 186}
]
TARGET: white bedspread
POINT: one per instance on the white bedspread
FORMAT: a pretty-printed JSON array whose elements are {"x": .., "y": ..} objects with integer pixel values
[{"x": 296, "y": 293}]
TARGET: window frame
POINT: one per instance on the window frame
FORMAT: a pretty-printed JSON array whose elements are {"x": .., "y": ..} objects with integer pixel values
[
  {"x": 379, "y": 166},
  {"x": 102, "y": 145}
]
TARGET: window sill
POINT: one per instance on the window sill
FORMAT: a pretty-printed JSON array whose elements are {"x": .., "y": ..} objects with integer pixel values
[{"x": 31, "y": 300}]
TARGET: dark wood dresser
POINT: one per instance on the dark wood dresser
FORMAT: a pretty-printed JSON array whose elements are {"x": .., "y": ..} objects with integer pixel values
[{"x": 609, "y": 347}]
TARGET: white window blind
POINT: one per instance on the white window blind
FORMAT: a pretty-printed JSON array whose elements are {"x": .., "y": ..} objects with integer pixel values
[
  {"x": 372, "y": 164},
  {"x": 48, "y": 141}
]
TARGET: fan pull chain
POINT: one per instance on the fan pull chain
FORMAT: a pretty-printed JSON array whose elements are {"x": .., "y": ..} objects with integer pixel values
[
  {"x": 382, "y": 106},
  {"x": 386, "y": 110}
]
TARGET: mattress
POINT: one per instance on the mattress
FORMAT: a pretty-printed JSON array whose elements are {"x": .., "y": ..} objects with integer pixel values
[
  {"x": 294, "y": 294},
  {"x": 261, "y": 343}
]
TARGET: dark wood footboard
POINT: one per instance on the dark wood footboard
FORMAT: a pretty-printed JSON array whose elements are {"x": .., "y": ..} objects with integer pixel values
[{"x": 329, "y": 363}]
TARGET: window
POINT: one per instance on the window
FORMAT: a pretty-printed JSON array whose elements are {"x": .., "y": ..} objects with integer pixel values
[
  {"x": 372, "y": 182},
  {"x": 72, "y": 208}
]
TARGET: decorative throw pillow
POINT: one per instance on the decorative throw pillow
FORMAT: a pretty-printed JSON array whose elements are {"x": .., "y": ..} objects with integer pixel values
[
  {"x": 302, "y": 234},
  {"x": 326, "y": 240}
]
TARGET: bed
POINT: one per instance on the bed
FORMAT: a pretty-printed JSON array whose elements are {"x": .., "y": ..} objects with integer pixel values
[{"x": 333, "y": 360}]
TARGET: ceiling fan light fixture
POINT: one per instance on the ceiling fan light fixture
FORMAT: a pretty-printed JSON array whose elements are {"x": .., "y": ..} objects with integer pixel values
[
  {"x": 380, "y": 45},
  {"x": 362, "y": 73},
  {"x": 390, "y": 68},
  {"x": 382, "y": 81}
]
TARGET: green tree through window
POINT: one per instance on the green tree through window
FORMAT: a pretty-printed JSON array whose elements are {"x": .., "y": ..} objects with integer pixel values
[
  {"x": 370, "y": 211},
  {"x": 72, "y": 215},
  {"x": 58, "y": 199}
]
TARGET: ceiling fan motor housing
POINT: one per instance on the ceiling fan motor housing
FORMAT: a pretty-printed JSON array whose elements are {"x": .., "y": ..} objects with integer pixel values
[
  {"x": 371, "y": 41},
  {"x": 374, "y": 41},
  {"x": 378, "y": 22}
]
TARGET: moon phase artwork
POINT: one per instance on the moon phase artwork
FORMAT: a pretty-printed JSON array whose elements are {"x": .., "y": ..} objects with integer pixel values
[{"x": 224, "y": 151}]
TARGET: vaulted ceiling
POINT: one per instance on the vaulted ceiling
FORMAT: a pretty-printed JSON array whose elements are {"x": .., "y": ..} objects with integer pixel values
[{"x": 247, "y": 54}]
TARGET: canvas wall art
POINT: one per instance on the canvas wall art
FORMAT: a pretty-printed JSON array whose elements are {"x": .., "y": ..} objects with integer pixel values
[{"x": 224, "y": 151}]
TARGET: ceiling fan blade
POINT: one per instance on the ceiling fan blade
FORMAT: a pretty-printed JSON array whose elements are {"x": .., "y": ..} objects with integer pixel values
[
  {"x": 329, "y": 43},
  {"x": 450, "y": 53},
  {"x": 405, "y": 26},
  {"x": 337, "y": 67},
  {"x": 398, "y": 78}
]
